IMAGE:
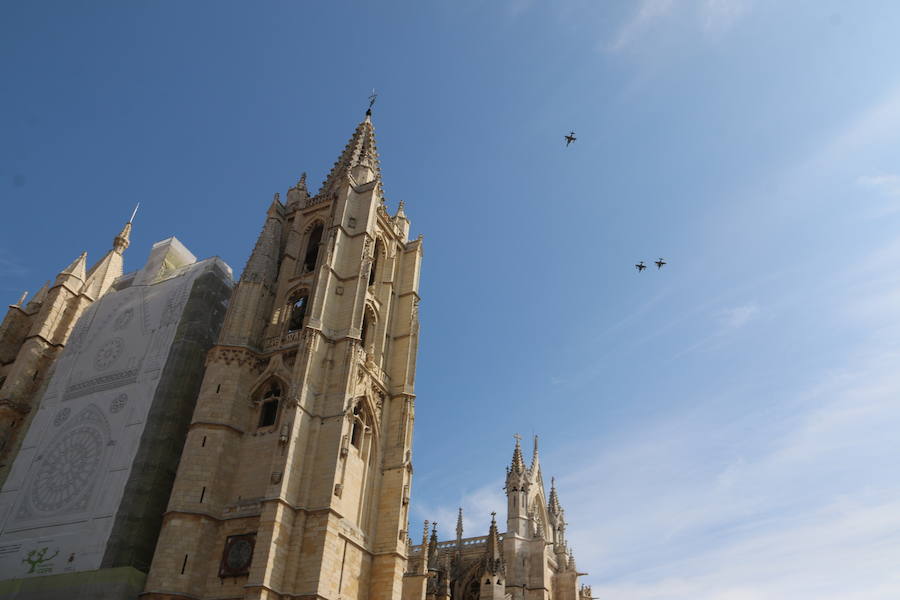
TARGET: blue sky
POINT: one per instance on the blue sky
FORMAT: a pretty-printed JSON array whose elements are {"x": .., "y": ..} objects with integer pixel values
[{"x": 723, "y": 429}]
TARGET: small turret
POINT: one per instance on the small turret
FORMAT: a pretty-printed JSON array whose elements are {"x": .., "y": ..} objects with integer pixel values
[
  {"x": 432, "y": 548},
  {"x": 297, "y": 195},
  {"x": 493, "y": 566},
  {"x": 111, "y": 266},
  {"x": 517, "y": 486}
]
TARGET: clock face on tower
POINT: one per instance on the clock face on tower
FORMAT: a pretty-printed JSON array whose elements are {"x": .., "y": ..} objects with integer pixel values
[{"x": 237, "y": 555}]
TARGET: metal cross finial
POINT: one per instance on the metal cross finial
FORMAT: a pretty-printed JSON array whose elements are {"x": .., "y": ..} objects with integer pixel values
[
  {"x": 372, "y": 99},
  {"x": 518, "y": 437}
]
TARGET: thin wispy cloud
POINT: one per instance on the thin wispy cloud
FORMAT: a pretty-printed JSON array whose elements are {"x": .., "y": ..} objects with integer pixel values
[
  {"x": 780, "y": 509},
  {"x": 736, "y": 317},
  {"x": 711, "y": 18},
  {"x": 647, "y": 13},
  {"x": 718, "y": 16},
  {"x": 886, "y": 184}
]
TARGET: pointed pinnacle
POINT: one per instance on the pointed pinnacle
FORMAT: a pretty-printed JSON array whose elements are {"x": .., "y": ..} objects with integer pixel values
[{"x": 518, "y": 463}]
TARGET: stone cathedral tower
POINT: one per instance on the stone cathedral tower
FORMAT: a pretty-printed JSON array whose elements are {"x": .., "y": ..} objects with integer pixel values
[{"x": 295, "y": 477}]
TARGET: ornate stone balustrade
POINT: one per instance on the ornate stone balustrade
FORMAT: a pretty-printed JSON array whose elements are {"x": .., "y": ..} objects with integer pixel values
[
  {"x": 466, "y": 543},
  {"x": 282, "y": 341}
]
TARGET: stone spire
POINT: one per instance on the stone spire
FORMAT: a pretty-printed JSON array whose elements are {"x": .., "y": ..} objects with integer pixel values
[
  {"x": 517, "y": 485},
  {"x": 459, "y": 528},
  {"x": 74, "y": 275},
  {"x": 262, "y": 266},
  {"x": 423, "y": 567},
  {"x": 111, "y": 266},
  {"x": 433, "y": 549},
  {"x": 493, "y": 553},
  {"x": 518, "y": 463},
  {"x": 359, "y": 158},
  {"x": 493, "y": 566},
  {"x": 38, "y": 298},
  {"x": 553, "y": 506}
]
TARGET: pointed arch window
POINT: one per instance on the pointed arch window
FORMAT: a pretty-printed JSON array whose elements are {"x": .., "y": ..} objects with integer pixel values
[
  {"x": 311, "y": 256},
  {"x": 379, "y": 250},
  {"x": 367, "y": 334},
  {"x": 269, "y": 405},
  {"x": 298, "y": 307},
  {"x": 360, "y": 425}
]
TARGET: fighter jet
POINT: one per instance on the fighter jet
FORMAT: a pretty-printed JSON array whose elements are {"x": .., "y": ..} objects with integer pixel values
[
  {"x": 640, "y": 266},
  {"x": 570, "y": 138},
  {"x": 659, "y": 264}
]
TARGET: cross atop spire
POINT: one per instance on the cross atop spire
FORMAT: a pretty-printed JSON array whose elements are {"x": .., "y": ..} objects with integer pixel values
[{"x": 372, "y": 99}]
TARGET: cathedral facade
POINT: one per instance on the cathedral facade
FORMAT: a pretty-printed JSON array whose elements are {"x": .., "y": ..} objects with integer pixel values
[
  {"x": 295, "y": 476},
  {"x": 295, "y": 468},
  {"x": 531, "y": 560}
]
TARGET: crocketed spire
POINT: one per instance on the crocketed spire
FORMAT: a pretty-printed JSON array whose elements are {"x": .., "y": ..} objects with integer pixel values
[
  {"x": 263, "y": 262},
  {"x": 432, "y": 548},
  {"x": 518, "y": 463},
  {"x": 360, "y": 157},
  {"x": 459, "y": 527},
  {"x": 553, "y": 506},
  {"x": 109, "y": 268},
  {"x": 493, "y": 554}
]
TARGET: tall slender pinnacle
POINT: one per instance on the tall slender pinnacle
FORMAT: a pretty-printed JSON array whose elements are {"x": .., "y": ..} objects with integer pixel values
[
  {"x": 459, "y": 527},
  {"x": 553, "y": 505},
  {"x": 263, "y": 262},
  {"x": 518, "y": 463},
  {"x": 493, "y": 552}
]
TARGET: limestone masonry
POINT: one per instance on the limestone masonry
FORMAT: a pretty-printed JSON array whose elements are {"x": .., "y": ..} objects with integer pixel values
[{"x": 295, "y": 468}]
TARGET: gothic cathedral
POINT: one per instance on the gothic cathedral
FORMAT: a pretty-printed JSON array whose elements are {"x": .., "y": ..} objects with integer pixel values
[{"x": 295, "y": 475}]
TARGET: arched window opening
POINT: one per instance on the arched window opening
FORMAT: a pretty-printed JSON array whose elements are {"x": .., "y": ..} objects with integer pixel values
[
  {"x": 268, "y": 409},
  {"x": 298, "y": 311},
  {"x": 366, "y": 332},
  {"x": 312, "y": 249},
  {"x": 379, "y": 249},
  {"x": 360, "y": 422}
]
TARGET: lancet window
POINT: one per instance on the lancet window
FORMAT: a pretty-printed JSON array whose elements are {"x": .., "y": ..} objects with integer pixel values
[
  {"x": 379, "y": 250},
  {"x": 311, "y": 256},
  {"x": 297, "y": 311},
  {"x": 269, "y": 405},
  {"x": 360, "y": 424}
]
